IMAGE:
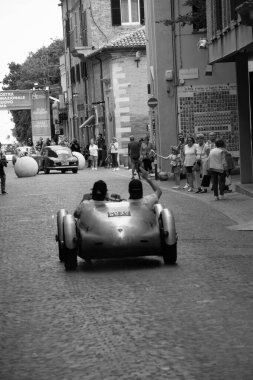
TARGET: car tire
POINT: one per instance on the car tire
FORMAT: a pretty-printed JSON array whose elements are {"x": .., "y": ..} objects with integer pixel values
[
  {"x": 63, "y": 171},
  {"x": 60, "y": 234},
  {"x": 70, "y": 251},
  {"x": 70, "y": 259},
  {"x": 170, "y": 254},
  {"x": 74, "y": 171}
]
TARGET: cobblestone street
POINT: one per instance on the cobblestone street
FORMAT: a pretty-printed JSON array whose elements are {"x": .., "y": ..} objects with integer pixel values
[{"x": 131, "y": 318}]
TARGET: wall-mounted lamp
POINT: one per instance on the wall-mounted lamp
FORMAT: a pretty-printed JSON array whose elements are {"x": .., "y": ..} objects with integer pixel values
[
  {"x": 137, "y": 57},
  {"x": 202, "y": 43}
]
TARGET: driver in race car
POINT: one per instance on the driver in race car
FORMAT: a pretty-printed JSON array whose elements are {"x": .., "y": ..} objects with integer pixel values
[{"x": 135, "y": 190}]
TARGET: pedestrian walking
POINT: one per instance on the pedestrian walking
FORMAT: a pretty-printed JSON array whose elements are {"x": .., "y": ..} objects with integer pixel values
[
  {"x": 217, "y": 166},
  {"x": 199, "y": 168},
  {"x": 100, "y": 143},
  {"x": 145, "y": 154},
  {"x": 230, "y": 167},
  {"x": 114, "y": 146},
  {"x": 209, "y": 145},
  {"x": 180, "y": 145},
  {"x": 3, "y": 164},
  {"x": 134, "y": 156},
  {"x": 93, "y": 149},
  {"x": 189, "y": 160}
]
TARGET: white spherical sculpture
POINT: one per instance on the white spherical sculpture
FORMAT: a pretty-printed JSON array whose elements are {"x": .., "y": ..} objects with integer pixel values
[
  {"x": 81, "y": 160},
  {"x": 26, "y": 167}
]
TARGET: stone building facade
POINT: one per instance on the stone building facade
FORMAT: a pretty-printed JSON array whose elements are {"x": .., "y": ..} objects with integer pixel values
[{"x": 106, "y": 71}]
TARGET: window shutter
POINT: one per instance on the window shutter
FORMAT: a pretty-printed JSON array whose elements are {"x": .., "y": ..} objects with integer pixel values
[
  {"x": 67, "y": 32},
  {"x": 142, "y": 16},
  {"x": 116, "y": 14},
  {"x": 73, "y": 75},
  {"x": 84, "y": 70},
  {"x": 77, "y": 73},
  {"x": 84, "y": 28}
]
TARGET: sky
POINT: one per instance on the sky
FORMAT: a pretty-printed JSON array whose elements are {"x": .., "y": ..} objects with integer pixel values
[{"x": 25, "y": 26}]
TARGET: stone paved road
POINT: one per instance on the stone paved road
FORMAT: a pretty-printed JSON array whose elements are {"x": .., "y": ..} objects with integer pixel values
[{"x": 127, "y": 319}]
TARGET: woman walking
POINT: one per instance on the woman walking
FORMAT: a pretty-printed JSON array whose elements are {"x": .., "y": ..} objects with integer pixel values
[
  {"x": 145, "y": 154},
  {"x": 93, "y": 149},
  {"x": 217, "y": 166},
  {"x": 189, "y": 160},
  {"x": 114, "y": 153}
]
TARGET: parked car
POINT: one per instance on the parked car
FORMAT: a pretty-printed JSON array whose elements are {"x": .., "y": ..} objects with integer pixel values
[
  {"x": 21, "y": 151},
  {"x": 8, "y": 151},
  {"x": 57, "y": 157},
  {"x": 115, "y": 230}
]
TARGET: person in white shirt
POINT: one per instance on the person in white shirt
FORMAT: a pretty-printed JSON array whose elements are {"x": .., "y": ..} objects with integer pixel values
[
  {"x": 217, "y": 166},
  {"x": 93, "y": 149},
  {"x": 189, "y": 160},
  {"x": 201, "y": 157},
  {"x": 114, "y": 146}
]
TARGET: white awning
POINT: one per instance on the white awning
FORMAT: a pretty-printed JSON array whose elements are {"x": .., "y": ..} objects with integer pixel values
[{"x": 88, "y": 121}]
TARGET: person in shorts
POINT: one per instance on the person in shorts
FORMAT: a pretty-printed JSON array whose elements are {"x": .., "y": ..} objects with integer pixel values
[{"x": 134, "y": 156}]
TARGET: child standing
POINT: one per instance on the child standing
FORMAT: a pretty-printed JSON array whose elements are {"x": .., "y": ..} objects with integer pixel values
[
  {"x": 93, "y": 149},
  {"x": 175, "y": 162}
]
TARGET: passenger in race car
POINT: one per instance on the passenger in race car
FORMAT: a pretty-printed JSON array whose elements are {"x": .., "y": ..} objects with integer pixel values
[
  {"x": 135, "y": 190},
  {"x": 99, "y": 194}
]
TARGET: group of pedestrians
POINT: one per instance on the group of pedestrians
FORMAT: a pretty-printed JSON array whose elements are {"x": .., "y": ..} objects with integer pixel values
[{"x": 204, "y": 163}]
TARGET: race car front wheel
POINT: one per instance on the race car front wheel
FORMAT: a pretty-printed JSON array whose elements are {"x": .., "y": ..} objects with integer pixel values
[
  {"x": 70, "y": 238},
  {"x": 170, "y": 254}
]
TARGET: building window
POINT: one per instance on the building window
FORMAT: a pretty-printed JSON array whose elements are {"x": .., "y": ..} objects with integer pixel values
[
  {"x": 77, "y": 73},
  {"x": 73, "y": 75},
  {"x": 126, "y": 12},
  {"x": 199, "y": 17},
  {"x": 218, "y": 11}
]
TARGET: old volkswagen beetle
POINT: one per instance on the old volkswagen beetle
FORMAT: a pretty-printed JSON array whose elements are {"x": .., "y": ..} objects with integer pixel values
[{"x": 115, "y": 230}]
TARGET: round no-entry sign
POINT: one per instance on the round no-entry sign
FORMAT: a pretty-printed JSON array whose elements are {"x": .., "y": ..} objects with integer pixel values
[{"x": 152, "y": 102}]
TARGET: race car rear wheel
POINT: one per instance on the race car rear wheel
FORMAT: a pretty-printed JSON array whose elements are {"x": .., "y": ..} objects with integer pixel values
[
  {"x": 74, "y": 171},
  {"x": 170, "y": 254},
  {"x": 70, "y": 260},
  {"x": 60, "y": 235}
]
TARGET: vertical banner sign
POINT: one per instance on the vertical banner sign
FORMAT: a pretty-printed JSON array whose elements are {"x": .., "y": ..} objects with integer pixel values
[{"x": 40, "y": 115}]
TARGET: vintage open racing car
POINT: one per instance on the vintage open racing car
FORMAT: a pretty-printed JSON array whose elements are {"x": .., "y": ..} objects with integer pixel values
[{"x": 116, "y": 229}]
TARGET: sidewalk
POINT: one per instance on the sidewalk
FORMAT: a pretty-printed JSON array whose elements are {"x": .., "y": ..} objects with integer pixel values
[{"x": 237, "y": 205}]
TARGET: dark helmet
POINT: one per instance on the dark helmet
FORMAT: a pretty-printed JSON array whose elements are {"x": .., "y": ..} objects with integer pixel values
[
  {"x": 135, "y": 189},
  {"x": 99, "y": 190}
]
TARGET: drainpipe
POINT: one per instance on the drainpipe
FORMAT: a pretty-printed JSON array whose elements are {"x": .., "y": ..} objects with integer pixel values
[
  {"x": 174, "y": 52},
  {"x": 71, "y": 89},
  {"x": 102, "y": 90}
]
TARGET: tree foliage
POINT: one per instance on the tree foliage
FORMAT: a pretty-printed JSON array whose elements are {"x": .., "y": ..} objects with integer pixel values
[
  {"x": 196, "y": 17},
  {"x": 41, "y": 67}
]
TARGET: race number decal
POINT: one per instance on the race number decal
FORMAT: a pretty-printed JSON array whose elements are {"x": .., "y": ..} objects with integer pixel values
[{"x": 119, "y": 213}]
